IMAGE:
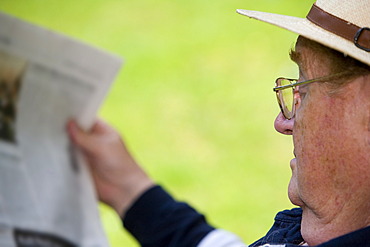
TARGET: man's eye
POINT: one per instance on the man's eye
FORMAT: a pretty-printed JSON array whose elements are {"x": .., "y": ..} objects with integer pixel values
[{"x": 302, "y": 92}]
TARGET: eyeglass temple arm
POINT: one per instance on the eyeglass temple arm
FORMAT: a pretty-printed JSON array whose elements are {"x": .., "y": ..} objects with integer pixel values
[
  {"x": 309, "y": 81},
  {"x": 292, "y": 85}
]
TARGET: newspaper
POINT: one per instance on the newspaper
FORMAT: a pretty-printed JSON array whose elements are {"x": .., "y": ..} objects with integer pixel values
[{"x": 46, "y": 195}]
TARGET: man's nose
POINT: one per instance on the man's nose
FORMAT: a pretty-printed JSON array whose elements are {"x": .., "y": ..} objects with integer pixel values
[{"x": 283, "y": 125}]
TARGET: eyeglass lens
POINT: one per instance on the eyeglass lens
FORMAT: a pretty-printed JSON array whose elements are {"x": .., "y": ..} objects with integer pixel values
[{"x": 286, "y": 98}]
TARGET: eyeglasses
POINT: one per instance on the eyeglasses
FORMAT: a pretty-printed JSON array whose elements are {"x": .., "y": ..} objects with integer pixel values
[{"x": 286, "y": 88}]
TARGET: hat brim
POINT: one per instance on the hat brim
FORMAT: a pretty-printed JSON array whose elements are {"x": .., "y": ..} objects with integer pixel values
[{"x": 311, "y": 31}]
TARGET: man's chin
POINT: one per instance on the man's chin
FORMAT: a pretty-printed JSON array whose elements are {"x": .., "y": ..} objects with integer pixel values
[{"x": 293, "y": 193}]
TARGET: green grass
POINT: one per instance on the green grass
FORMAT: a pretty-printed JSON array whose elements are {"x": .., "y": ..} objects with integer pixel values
[{"x": 194, "y": 99}]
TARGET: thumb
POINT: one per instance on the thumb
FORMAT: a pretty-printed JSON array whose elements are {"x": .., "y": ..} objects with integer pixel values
[{"x": 80, "y": 138}]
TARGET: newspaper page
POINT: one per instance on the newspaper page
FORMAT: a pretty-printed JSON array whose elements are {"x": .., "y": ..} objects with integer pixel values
[{"x": 46, "y": 195}]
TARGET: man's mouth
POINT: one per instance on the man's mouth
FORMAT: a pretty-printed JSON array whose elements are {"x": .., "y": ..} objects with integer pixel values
[{"x": 293, "y": 163}]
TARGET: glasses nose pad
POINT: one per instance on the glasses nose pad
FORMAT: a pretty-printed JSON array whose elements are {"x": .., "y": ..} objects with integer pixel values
[{"x": 296, "y": 102}]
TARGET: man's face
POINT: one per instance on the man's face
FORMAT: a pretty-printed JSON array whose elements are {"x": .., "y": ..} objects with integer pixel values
[{"x": 331, "y": 170}]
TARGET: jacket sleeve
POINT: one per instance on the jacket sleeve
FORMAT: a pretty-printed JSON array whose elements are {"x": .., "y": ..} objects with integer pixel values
[{"x": 157, "y": 220}]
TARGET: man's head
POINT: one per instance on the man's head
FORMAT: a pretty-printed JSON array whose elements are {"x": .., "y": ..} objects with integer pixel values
[
  {"x": 331, "y": 134},
  {"x": 331, "y": 127}
]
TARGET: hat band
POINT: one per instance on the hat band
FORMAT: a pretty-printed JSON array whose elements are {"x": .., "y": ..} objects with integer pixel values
[{"x": 359, "y": 36}]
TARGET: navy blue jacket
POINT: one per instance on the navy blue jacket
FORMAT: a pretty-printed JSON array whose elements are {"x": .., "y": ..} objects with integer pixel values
[{"x": 157, "y": 220}]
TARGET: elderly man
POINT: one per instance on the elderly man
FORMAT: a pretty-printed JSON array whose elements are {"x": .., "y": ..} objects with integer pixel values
[{"x": 327, "y": 111}]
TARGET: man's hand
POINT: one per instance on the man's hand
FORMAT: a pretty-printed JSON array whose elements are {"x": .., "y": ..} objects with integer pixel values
[{"x": 119, "y": 180}]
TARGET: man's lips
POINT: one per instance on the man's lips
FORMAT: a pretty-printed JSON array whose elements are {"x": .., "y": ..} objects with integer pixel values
[{"x": 293, "y": 163}]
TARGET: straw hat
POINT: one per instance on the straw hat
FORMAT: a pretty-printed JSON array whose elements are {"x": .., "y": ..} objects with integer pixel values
[{"x": 343, "y": 25}]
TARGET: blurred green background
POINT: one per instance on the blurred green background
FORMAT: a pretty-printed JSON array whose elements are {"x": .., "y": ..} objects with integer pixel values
[{"x": 194, "y": 100}]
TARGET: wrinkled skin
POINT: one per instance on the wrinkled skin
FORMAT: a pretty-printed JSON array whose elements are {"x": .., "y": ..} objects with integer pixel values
[
  {"x": 118, "y": 179},
  {"x": 331, "y": 170}
]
